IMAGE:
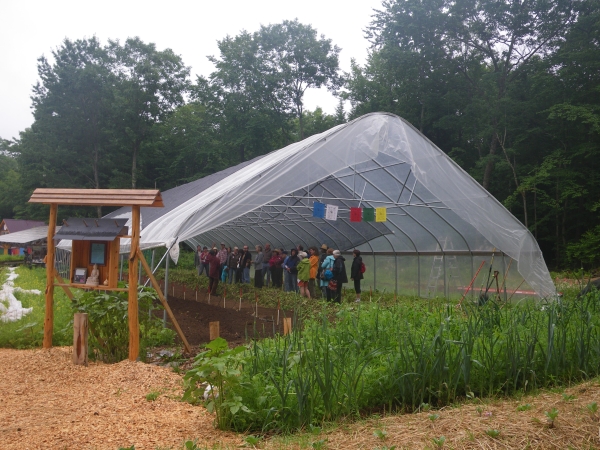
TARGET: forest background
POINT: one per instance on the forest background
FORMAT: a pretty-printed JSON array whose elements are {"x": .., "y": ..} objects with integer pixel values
[{"x": 508, "y": 89}]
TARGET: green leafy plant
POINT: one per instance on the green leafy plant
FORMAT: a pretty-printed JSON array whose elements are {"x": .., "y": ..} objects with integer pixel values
[
  {"x": 439, "y": 441},
  {"x": 381, "y": 434},
  {"x": 493, "y": 433},
  {"x": 190, "y": 445},
  {"x": 568, "y": 397},
  {"x": 319, "y": 445},
  {"x": 434, "y": 417},
  {"x": 252, "y": 441},
  {"x": 152, "y": 395},
  {"x": 108, "y": 325},
  {"x": 525, "y": 407},
  {"x": 215, "y": 372},
  {"x": 479, "y": 410},
  {"x": 592, "y": 408},
  {"x": 551, "y": 415}
]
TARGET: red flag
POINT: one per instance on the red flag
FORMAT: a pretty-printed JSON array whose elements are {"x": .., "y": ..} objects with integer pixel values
[{"x": 355, "y": 214}]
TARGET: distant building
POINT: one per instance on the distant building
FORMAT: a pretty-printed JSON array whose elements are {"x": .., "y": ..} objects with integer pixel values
[{"x": 13, "y": 225}]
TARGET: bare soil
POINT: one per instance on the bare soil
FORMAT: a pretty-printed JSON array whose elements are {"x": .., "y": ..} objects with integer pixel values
[{"x": 237, "y": 325}]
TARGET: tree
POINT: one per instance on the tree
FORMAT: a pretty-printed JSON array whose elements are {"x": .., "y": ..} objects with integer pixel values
[
  {"x": 486, "y": 41},
  {"x": 150, "y": 85},
  {"x": 301, "y": 59}
]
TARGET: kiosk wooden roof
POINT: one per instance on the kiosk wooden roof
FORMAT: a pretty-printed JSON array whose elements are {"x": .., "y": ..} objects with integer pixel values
[{"x": 135, "y": 198}]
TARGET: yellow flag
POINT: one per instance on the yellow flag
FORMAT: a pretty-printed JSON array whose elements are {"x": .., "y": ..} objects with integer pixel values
[{"x": 380, "y": 214}]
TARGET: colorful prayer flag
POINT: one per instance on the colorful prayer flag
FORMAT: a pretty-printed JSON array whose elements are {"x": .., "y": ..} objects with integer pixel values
[
  {"x": 319, "y": 210},
  {"x": 368, "y": 214},
  {"x": 331, "y": 212},
  {"x": 380, "y": 214},
  {"x": 355, "y": 214}
]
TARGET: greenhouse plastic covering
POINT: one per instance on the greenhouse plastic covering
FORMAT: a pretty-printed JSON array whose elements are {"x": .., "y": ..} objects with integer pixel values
[{"x": 378, "y": 160}]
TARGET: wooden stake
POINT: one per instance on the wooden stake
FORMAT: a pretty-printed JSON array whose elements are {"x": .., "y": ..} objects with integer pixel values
[
  {"x": 224, "y": 295},
  {"x": 256, "y": 303},
  {"x": 49, "y": 313},
  {"x": 370, "y": 293},
  {"x": 80, "y": 339},
  {"x": 132, "y": 307},
  {"x": 209, "y": 297},
  {"x": 278, "y": 308},
  {"x": 213, "y": 330},
  {"x": 161, "y": 297},
  {"x": 196, "y": 294},
  {"x": 240, "y": 308},
  {"x": 287, "y": 325}
]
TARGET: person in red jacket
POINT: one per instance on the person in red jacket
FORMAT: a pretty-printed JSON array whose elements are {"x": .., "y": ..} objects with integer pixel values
[
  {"x": 214, "y": 271},
  {"x": 276, "y": 269}
]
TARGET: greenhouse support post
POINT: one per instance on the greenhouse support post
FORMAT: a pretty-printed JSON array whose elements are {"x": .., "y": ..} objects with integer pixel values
[{"x": 166, "y": 286}]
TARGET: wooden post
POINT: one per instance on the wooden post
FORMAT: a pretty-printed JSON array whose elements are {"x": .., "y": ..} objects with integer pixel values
[
  {"x": 80, "y": 339},
  {"x": 287, "y": 325},
  {"x": 213, "y": 330},
  {"x": 49, "y": 313},
  {"x": 224, "y": 295},
  {"x": 163, "y": 300},
  {"x": 132, "y": 309}
]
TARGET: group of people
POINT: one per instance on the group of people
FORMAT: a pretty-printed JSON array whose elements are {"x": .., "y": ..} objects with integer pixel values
[{"x": 295, "y": 271}]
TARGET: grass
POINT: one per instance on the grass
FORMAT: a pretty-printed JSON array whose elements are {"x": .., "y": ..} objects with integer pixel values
[{"x": 28, "y": 332}]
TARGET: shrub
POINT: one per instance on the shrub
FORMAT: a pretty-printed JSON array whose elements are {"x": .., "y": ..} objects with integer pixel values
[{"x": 108, "y": 324}]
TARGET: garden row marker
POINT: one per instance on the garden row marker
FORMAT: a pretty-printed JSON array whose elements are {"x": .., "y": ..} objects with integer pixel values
[
  {"x": 80, "y": 339},
  {"x": 213, "y": 328},
  {"x": 370, "y": 293},
  {"x": 256, "y": 303},
  {"x": 224, "y": 295},
  {"x": 278, "y": 307},
  {"x": 209, "y": 297},
  {"x": 163, "y": 301},
  {"x": 471, "y": 283},
  {"x": 287, "y": 325},
  {"x": 196, "y": 294},
  {"x": 240, "y": 308}
]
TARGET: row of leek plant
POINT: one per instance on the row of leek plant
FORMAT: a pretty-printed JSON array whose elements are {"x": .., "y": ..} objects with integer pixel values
[{"x": 401, "y": 357}]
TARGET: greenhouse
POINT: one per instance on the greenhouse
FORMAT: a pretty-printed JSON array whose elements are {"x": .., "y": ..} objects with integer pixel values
[{"x": 423, "y": 225}]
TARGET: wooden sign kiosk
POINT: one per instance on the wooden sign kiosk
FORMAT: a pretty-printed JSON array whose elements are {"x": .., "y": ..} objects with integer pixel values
[{"x": 82, "y": 253}]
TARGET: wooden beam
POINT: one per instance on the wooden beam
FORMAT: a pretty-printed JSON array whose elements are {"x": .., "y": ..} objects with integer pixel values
[
  {"x": 162, "y": 299},
  {"x": 49, "y": 312},
  {"x": 63, "y": 285},
  {"x": 98, "y": 197},
  {"x": 132, "y": 309}
]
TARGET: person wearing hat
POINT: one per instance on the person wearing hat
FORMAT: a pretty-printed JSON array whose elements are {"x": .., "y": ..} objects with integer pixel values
[
  {"x": 276, "y": 269},
  {"x": 303, "y": 274}
]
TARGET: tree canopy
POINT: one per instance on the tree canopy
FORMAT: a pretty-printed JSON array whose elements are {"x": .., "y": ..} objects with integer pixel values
[{"x": 509, "y": 89}]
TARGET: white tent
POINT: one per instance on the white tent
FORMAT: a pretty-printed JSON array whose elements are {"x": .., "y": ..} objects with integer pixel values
[{"x": 440, "y": 221}]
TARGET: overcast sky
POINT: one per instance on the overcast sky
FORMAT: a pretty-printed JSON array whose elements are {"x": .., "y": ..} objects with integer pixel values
[{"x": 33, "y": 28}]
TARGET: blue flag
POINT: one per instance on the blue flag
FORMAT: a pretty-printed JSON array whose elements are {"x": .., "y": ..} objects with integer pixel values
[{"x": 319, "y": 210}]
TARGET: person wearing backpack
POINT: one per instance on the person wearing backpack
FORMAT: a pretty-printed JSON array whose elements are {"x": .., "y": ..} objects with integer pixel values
[
  {"x": 339, "y": 276},
  {"x": 327, "y": 274},
  {"x": 356, "y": 272}
]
